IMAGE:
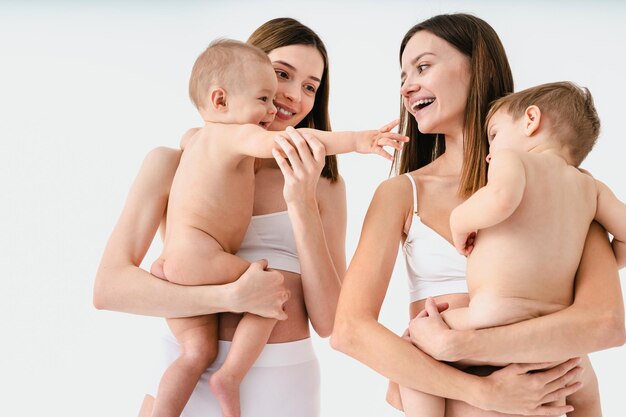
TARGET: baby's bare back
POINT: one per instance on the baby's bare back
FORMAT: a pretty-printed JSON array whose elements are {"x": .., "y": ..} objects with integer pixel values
[
  {"x": 210, "y": 203},
  {"x": 525, "y": 266}
]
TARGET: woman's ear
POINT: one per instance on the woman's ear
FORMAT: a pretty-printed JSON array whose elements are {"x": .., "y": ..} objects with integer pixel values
[
  {"x": 217, "y": 96},
  {"x": 532, "y": 120}
]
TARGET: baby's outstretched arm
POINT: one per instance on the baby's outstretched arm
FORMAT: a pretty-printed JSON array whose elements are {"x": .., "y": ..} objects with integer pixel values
[
  {"x": 252, "y": 140},
  {"x": 611, "y": 213},
  {"x": 493, "y": 203}
]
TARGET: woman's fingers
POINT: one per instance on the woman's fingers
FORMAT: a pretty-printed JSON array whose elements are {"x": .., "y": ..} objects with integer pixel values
[
  {"x": 290, "y": 151},
  {"x": 301, "y": 145},
  {"x": 317, "y": 148},
  {"x": 561, "y": 393},
  {"x": 284, "y": 166},
  {"x": 571, "y": 377},
  {"x": 549, "y": 367},
  {"x": 559, "y": 371}
]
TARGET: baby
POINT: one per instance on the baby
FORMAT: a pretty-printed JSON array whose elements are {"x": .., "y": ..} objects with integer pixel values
[
  {"x": 525, "y": 230},
  {"x": 210, "y": 205}
]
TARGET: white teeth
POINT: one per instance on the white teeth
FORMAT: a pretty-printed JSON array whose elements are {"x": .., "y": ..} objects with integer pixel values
[
  {"x": 285, "y": 112},
  {"x": 421, "y": 102}
]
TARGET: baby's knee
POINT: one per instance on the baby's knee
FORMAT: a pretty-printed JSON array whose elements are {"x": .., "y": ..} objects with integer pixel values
[
  {"x": 157, "y": 269},
  {"x": 199, "y": 352}
]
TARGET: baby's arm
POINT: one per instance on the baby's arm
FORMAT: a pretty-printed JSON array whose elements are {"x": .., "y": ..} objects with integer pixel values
[
  {"x": 611, "y": 213},
  {"x": 252, "y": 140},
  {"x": 493, "y": 203}
]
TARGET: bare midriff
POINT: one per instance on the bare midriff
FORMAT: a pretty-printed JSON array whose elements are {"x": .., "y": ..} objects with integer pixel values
[{"x": 296, "y": 327}]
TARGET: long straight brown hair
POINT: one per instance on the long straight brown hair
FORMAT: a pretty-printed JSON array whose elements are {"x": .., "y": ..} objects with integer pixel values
[
  {"x": 491, "y": 78},
  {"x": 285, "y": 31}
]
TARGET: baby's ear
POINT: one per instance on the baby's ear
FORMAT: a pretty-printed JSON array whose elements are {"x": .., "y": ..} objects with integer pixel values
[
  {"x": 217, "y": 97},
  {"x": 532, "y": 120}
]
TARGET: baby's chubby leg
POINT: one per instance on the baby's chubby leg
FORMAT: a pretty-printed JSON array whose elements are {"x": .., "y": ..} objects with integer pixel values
[
  {"x": 197, "y": 337},
  {"x": 419, "y": 404},
  {"x": 199, "y": 261},
  {"x": 249, "y": 340}
]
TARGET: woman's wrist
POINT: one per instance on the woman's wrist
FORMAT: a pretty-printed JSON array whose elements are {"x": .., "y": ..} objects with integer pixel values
[
  {"x": 222, "y": 298},
  {"x": 456, "y": 345},
  {"x": 303, "y": 207}
]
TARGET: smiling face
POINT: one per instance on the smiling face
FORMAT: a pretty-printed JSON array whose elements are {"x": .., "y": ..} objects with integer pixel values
[
  {"x": 435, "y": 83},
  {"x": 251, "y": 101},
  {"x": 298, "y": 69}
]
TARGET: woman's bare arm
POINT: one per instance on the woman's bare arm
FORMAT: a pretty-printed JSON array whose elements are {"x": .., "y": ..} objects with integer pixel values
[
  {"x": 358, "y": 333},
  {"x": 121, "y": 285},
  {"x": 317, "y": 210},
  {"x": 595, "y": 320}
]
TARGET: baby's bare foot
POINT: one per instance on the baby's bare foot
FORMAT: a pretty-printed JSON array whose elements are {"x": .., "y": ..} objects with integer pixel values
[{"x": 226, "y": 390}]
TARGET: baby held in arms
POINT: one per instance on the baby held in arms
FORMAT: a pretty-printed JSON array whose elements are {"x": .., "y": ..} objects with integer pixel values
[
  {"x": 210, "y": 206},
  {"x": 524, "y": 232}
]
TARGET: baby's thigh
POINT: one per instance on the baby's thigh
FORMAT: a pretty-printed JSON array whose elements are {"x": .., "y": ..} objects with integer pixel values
[
  {"x": 198, "y": 259},
  {"x": 195, "y": 333}
]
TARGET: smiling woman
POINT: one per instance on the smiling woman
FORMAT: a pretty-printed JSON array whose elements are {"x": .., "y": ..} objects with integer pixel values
[
  {"x": 298, "y": 226},
  {"x": 453, "y": 67},
  {"x": 298, "y": 86}
]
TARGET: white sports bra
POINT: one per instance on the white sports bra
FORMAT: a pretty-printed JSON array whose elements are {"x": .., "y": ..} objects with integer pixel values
[
  {"x": 270, "y": 236},
  {"x": 433, "y": 265}
]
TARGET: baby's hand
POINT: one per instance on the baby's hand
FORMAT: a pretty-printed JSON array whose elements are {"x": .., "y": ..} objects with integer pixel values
[
  {"x": 464, "y": 242},
  {"x": 373, "y": 141}
]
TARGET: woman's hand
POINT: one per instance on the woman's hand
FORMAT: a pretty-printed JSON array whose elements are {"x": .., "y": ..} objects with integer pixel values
[
  {"x": 260, "y": 291},
  {"x": 516, "y": 389},
  {"x": 373, "y": 141},
  {"x": 306, "y": 160},
  {"x": 430, "y": 333}
]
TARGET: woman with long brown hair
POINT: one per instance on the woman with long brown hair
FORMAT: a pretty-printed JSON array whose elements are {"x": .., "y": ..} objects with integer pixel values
[
  {"x": 453, "y": 67},
  {"x": 298, "y": 226}
]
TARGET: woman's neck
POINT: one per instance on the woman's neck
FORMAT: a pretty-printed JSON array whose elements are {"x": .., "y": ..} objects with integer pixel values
[{"x": 452, "y": 159}]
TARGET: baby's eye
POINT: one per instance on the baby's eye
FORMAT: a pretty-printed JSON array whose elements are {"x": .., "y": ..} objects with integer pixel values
[{"x": 264, "y": 99}]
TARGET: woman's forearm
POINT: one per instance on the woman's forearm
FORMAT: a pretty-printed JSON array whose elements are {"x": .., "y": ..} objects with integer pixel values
[
  {"x": 369, "y": 342},
  {"x": 130, "y": 289},
  {"x": 595, "y": 320},
  {"x": 320, "y": 278}
]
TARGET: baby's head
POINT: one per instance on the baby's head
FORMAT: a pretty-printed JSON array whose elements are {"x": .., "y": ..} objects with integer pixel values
[
  {"x": 561, "y": 112},
  {"x": 233, "y": 82}
]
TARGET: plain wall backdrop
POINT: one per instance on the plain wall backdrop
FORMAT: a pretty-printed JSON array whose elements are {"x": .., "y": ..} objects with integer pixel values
[{"x": 88, "y": 88}]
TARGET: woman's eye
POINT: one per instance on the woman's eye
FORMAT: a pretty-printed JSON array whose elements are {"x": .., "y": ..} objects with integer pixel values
[
  {"x": 421, "y": 68},
  {"x": 310, "y": 88},
  {"x": 282, "y": 74}
]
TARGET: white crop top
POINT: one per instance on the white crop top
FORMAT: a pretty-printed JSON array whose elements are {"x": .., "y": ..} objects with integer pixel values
[
  {"x": 433, "y": 265},
  {"x": 270, "y": 236}
]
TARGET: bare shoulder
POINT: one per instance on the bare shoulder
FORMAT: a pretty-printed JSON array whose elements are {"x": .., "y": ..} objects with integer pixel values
[{"x": 396, "y": 193}]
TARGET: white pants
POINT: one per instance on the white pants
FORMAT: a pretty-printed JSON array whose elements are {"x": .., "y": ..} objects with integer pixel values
[{"x": 283, "y": 382}]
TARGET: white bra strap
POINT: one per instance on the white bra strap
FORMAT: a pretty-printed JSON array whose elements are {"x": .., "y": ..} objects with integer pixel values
[{"x": 414, "y": 192}]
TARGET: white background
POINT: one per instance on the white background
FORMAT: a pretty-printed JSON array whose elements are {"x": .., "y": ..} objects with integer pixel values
[{"x": 88, "y": 88}]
